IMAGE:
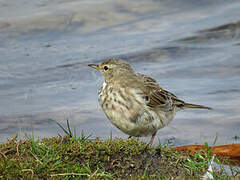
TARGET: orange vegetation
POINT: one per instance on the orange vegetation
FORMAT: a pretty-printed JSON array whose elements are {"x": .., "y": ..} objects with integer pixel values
[{"x": 230, "y": 151}]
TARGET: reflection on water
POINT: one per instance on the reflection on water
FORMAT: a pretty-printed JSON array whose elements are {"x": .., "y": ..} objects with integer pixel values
[
  {"x": 220, "y": 34},
  {"x": 190, "y": 47}
]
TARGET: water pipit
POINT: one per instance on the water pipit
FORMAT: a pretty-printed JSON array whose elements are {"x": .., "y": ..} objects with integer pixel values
[{"x": 134, "y": 102}]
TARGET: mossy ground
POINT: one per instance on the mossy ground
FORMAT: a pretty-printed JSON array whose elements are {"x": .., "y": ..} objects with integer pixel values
[{"x": 81, "y": 158}]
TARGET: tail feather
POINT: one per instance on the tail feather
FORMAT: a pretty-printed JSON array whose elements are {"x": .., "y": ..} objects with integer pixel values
[{"x": 187, "y": 105}]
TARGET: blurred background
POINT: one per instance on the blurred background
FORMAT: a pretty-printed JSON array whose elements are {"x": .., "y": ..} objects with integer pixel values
[{"x": 192, "y": 48}]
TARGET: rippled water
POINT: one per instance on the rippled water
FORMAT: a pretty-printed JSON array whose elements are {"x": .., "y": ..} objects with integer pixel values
[{"x": 192, "y": 48}]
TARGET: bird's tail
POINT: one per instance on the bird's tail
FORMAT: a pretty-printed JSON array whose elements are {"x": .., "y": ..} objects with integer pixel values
[{"x": 187, "y": 105}]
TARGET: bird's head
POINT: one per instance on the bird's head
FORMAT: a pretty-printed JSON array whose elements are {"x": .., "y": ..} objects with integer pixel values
[{"x": 113, "y": 69}]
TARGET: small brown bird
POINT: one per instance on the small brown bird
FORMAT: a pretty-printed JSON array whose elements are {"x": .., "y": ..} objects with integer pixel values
[{"x": 134, "y": 102}]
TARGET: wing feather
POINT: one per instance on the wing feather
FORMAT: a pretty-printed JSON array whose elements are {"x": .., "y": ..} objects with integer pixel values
[{"x": 158, "y": 97}]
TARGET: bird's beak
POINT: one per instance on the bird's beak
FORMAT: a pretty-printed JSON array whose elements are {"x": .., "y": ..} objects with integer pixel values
[{"x": 94, "y": 66}]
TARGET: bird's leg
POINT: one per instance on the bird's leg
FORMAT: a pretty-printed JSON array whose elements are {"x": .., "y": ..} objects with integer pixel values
[
  {"x": 152, "y": 138},
  {"x": 150, "y": 143}
]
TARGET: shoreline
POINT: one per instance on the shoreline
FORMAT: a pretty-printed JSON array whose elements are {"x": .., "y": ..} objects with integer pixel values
[{"x": 69, "y": 157}]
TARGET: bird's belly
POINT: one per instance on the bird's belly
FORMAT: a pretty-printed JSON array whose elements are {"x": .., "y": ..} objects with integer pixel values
[
  {"x": 131, "y": 116},
  {"x": 146, "y": 122}
]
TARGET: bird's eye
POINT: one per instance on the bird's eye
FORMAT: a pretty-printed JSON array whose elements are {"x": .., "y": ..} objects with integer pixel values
[{"x": 105, "y": 68}]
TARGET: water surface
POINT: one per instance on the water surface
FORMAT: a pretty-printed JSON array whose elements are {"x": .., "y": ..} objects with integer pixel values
[{"x": 190, "y": 47}]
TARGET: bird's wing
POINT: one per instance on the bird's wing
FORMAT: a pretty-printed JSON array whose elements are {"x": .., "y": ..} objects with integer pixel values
[
  {"x": 164, "y": 99},
  {"x": 158, "y": 97}
]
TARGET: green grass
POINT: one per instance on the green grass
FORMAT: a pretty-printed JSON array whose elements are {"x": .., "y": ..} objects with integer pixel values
[{"x": 71, "y": 157}]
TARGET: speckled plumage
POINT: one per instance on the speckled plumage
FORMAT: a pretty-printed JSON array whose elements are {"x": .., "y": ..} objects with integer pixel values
[{"x": 134, "y": 102}]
